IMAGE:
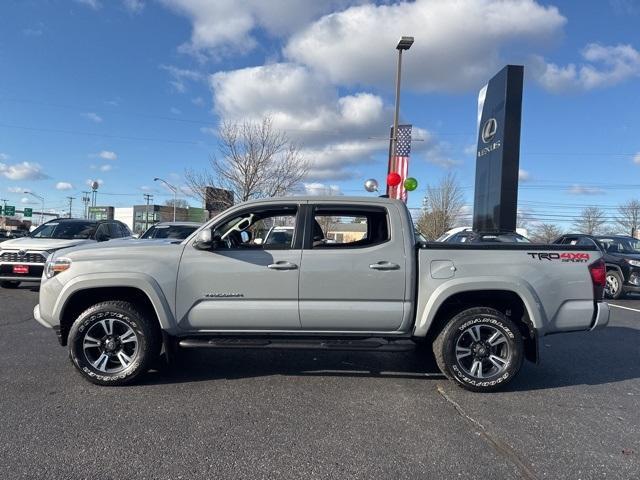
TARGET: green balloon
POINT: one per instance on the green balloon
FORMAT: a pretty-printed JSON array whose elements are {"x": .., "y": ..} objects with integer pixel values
[{"x": 410, "y": 184}]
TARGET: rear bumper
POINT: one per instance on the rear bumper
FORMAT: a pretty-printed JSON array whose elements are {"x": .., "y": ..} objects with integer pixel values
[{"x": 601, "y": 319}]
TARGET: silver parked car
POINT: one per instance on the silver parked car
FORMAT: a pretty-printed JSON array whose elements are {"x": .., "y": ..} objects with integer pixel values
[{"x": 23, "y": 259}]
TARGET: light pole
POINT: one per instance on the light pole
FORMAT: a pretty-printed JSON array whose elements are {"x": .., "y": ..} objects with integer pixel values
[
  {"x": 403, "y": 44},
  {"x": 173, "y": 189},
  {"x": 42, "y": 208}
]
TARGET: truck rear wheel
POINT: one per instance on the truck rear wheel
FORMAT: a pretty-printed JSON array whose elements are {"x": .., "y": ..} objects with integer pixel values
[
  {"x": 112, "y": 343},
  {"x": 480, "y": 349}
]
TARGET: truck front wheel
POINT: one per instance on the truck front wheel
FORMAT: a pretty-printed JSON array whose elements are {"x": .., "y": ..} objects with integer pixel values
[
  {"x": 112, "y": 343},
  {"x": 480, "y": 349}
]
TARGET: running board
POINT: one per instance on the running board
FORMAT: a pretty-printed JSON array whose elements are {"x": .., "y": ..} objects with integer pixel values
[{"x": 368, "y": 344}]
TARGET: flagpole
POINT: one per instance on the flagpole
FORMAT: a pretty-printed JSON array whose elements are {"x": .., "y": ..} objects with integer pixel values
[{"x": 404, "y": 44}]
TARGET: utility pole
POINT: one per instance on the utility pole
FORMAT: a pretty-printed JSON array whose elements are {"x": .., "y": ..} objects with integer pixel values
[
  {"x": 148, "y": 197},
  {"x": 71, "y": 199},
  {"x": 4, "y": 207},
  {"x": 86, "y": 199}
]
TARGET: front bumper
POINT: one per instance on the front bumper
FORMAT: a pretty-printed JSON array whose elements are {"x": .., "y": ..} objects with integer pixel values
[
  {"x": 34, "y": 275},
  {"x": 601, "y": 318},
  {"x": 38, "y": 317}
]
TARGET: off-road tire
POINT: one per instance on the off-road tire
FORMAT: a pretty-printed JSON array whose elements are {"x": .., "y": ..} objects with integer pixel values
[
  {"x": 446, "y": 344},
  {"x": 149, "y": 342},
  {"x": 618, "y": 278},
  {"x": 9, "y": 284}
]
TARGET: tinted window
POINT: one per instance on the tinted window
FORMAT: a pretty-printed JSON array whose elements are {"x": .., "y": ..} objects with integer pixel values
[
  {"x": 176, "y": 232},
  {"x": 339, "y": 228},
  {"x": 65, "y": 230},
  {"x": 619, "y": 244},
  {"x": 267, "y": 229}
]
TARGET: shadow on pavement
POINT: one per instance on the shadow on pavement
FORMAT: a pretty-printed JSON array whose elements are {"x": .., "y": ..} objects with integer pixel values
[
  {"x": 589, "y": 358},
  {"x": 203, "y": 365}
]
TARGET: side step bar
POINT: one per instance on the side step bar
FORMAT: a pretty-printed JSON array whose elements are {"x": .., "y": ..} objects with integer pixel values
[{"x": 368, "y": 344}]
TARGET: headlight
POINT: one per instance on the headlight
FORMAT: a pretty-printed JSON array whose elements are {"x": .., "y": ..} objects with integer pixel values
[
  {"x": 635, "y": 263},
  {"x": 53, "y": 267}
]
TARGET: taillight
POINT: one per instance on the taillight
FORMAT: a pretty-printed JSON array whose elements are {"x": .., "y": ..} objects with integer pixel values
[{"x": 598, "y": 272}]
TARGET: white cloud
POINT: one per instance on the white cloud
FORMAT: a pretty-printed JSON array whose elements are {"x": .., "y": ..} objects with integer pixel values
[
  {"x": 636, "y": 158},
  {"x": 228, "y": 26},
  {"x": 524, "y": 175},
  {"x": 64, "y": 186},
  {"x": 4, "y": 156},
  {"x": 317, "y": 188},
  {"x": 133, "y": 6},
  {"x": 604, "y": 66},
  {"x": 336, "y": 133},
  {"x": 585, "y": 190},
  {"x": 459, "y": 45},
  {"x": 28, "y": 201},
  {"x": 93, "y": 4},
  {"x": 15, "y": 189},
  {"x": 198, "y": 101},
  {"x": 209, "y": 131},
  {"x": 180, "y": 77},
  {"x": 94, "y": 117},
  {"x": 105, "y": 155},
  {"x": 106, "y": 167},
  {"x": 22, "y": 171}
]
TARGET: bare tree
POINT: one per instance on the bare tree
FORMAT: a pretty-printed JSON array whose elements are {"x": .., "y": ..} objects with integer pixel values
[
  {"x": 629, "y": 216},
  {"x": 592, "y": 221},
  {"x": 180, "y": 203},
  {"x": 254, "y": 160},
  {"x": 441, "y": 208},
  {"x": 545, "y": 233}
]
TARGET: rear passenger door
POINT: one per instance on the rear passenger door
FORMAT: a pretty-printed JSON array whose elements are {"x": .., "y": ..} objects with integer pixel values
[{"x": 352, "y": 274}]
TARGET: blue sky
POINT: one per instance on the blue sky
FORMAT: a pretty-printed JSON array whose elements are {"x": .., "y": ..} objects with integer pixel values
[{"x": 124, "y": 91}]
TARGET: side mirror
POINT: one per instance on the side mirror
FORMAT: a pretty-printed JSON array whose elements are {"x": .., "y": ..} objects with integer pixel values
[{"x": 204, "y": 240}]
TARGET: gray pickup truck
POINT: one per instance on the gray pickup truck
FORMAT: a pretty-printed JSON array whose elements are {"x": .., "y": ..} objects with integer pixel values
[{"x": 352, "y": 276}]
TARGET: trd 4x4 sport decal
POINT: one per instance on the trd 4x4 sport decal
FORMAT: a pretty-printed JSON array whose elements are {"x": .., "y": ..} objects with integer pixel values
[{"x": 562, "y": 257}]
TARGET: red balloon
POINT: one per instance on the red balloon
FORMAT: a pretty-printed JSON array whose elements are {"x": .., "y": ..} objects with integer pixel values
[{"x": 393, "y": 179}]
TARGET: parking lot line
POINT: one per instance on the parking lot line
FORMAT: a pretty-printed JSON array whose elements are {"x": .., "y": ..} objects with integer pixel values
[{"x": 624, "y": 308}]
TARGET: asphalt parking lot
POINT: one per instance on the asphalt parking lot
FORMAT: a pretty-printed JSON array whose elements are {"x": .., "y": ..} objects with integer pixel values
[{"x": 266, "y": 414}]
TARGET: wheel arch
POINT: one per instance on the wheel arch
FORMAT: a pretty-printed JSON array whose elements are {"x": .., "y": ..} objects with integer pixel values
[
  {"x": 504, "y": 300},
  {"x": 83, "y": 293}
]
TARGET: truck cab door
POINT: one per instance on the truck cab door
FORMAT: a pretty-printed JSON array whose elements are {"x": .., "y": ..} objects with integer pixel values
[
  {"x": 245, "y": 281},
  {"x": 353, "y": 276}
]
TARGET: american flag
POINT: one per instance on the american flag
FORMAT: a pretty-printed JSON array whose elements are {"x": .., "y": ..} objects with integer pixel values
[{"x": 401, "y": 161}]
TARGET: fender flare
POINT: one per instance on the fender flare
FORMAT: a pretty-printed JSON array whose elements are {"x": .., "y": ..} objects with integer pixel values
[
  {"x": 455, "y": 286},
  {"x": 140, "y": 281},
  {"x": 613, "y": 266}
]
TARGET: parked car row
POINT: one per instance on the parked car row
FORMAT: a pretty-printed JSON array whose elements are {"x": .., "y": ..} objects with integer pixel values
[{"x": 23, "y": 259}]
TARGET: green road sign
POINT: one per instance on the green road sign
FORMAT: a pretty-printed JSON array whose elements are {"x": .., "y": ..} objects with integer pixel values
[
  {"x": 27, "y": 212},
  {"x": 9, "y": 210}
]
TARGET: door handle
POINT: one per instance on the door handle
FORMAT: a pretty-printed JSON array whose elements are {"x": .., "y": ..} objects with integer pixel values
[
  {"x": 282, "y": 265},
  {"x": 384, "y": 266}
]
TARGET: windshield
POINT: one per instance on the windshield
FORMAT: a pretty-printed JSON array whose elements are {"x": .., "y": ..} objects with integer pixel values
[
  {"x": 65, "y": 230},
  {"x": 619, "y": 245},
  {"x": 177, "y": 232}
]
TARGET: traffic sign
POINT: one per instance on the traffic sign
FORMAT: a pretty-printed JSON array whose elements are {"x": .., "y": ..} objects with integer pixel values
[
  {"x": 27, "y": 212},
  {"x": 9, "y": 210}
]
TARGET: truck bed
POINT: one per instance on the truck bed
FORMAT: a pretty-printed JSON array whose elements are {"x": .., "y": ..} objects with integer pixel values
[{"x": 553, "y": 281}]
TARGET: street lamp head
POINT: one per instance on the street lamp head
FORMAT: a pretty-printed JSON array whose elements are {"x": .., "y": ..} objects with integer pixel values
[
  {"x": 156, "y": 179},
  {"x": 404, "y": 43}
]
